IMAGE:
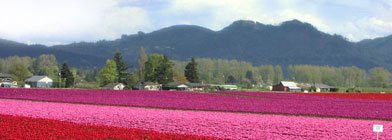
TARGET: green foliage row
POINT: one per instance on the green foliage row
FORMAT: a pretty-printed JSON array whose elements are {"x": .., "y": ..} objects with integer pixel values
[
  {"x": 223, "y": 71},
  {"x": 158, "y": 68}
]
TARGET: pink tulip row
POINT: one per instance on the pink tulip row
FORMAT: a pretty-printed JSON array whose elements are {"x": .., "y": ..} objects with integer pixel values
[
  {"x": 223, "y": 125},
  {"x": 271, "y": 103}
]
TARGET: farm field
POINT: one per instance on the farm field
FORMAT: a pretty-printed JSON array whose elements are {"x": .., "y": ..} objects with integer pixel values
[
  {"x": 370, "y": 96},
  {"x": 38, "y": 128},
  {"x": 104, "y": 114},
  {"x": 267, "y": 103},
  {"x": 214, "y": 124}
]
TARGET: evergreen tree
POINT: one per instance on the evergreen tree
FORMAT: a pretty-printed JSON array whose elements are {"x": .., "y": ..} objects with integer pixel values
[
  {"x": 121, "y": 67},
  {"x": 249, "y": 76},
  {"x": 141, "y": 61},
  {"x": 92, "y": 75},
  {"x": 191, "y": 72},
  {"x": 109, "y": 73},
  {"x": 67, "y": 74},
  {"x": 151, "y": 66},
  {"x": 164, "y": 72},
  {"x": 231, "y": 79}
]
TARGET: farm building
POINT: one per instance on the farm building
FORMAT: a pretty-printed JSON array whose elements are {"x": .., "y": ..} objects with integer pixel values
[
  {"x": 196, "y": 86},
  {"x": 114, "y": 86},
  {"x": 5, "y": 77},
  {"x": 40, "y": 82},
  {"x": 185, "y": 86},
  {"x": 286, "y": 86},
  {"x": 176, "y": 86},
  {"x": 6, "y": 81},
  {"x": 224, "y": 87},
  {"x": 322, "y": 88},
  {"x": 141, "y": 85}
]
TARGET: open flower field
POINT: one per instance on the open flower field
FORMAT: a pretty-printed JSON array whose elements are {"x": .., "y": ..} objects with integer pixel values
[{"x": 107, "y": 114}]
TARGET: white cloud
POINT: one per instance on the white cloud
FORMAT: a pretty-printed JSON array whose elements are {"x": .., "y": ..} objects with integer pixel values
[
  {"x": 124, "y": 20},
  {"x": 367, "y": 27},
  {"x": 353, "y": 19},
  {"x": 76, "y": 20},
  {"x": 226, "y": 11},
  {"x": 65, "y": 21}
]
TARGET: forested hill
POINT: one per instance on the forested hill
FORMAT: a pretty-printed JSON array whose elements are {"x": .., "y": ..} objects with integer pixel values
[{"x": 291, "y": 42}]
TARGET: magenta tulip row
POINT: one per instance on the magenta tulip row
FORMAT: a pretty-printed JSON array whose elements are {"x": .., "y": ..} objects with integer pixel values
[
  {"x": 223, "y": 125},
  {"x": 291, "y": 96},
  {"x": 274, "y": 104}
]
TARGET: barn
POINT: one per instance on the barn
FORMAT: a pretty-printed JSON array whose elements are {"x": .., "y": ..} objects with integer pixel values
[
  {"x": 40, "y": 82},
  {"x": 286, "y": 86}
]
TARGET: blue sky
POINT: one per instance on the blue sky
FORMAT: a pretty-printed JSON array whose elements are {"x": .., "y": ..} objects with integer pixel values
[{"x": 53, "y": 22}]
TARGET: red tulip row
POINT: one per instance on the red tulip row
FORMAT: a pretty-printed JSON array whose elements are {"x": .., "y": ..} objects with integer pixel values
[{"x": 16, "y": 127}]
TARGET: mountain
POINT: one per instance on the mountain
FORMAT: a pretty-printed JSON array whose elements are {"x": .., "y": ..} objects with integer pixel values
[
  {"x": 291, "y": 42},
  {"x": 10, "y": 48}
]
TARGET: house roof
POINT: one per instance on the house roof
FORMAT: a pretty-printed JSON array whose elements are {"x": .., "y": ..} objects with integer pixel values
[
  {"x": 175, "y": 84},
  {"x": 289, "y": 84},
  {"x": 111, "y": 85},
  {"x": 294, "y": 88},
  {"x": 150, "y": 83},
  {"x": 322, "y": 86},
  {"x": 195, "y": 84},
  {"x": 4, "y": 75},
  {"x": 35, "y": 78},
  {"x": 140, "y": 84}
]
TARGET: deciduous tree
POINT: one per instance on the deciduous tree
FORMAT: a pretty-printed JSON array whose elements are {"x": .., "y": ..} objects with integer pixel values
[
  {"x": 19, "y": 72},
  {"x": 141, "y": 62},
  {"x": 109, "y": 73},
  {"x": 379, "y": 77}
]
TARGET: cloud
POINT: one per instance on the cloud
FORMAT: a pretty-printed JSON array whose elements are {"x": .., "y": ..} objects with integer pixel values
[
  {"x": 354, "y": 19},
  {"x": 48, "y": 21},
  {"x": 124, "y": 20},
  {"x": 367, "y": 27},
  {"x": 66, "y": 21},
  {"x": 223, "y": 12}
]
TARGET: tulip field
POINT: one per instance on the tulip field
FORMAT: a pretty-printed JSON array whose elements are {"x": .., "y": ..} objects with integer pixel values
[
  {"x": 33, "y": 128},
  {"x": 109, "y": 114}
]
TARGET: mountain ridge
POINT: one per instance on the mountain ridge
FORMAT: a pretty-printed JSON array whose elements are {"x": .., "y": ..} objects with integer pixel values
[{"x": 291, "y": 42}]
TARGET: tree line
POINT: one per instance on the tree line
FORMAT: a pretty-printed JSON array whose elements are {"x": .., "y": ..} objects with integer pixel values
[
  {"x": 223, "y": 71},
  {"x": 21, "y": 68},
  {"x": 160, "y": 69},
  {"x": 154, "y": 68}
]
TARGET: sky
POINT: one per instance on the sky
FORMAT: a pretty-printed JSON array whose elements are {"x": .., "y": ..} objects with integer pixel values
[{"x": 53, "y": 22}]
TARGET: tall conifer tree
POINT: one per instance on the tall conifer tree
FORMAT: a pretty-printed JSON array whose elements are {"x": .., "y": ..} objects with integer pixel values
[
  {"x": 191, "y": 72},
  {"x": 67, "y": 74},
  {"x": 122, "y": 68}
]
